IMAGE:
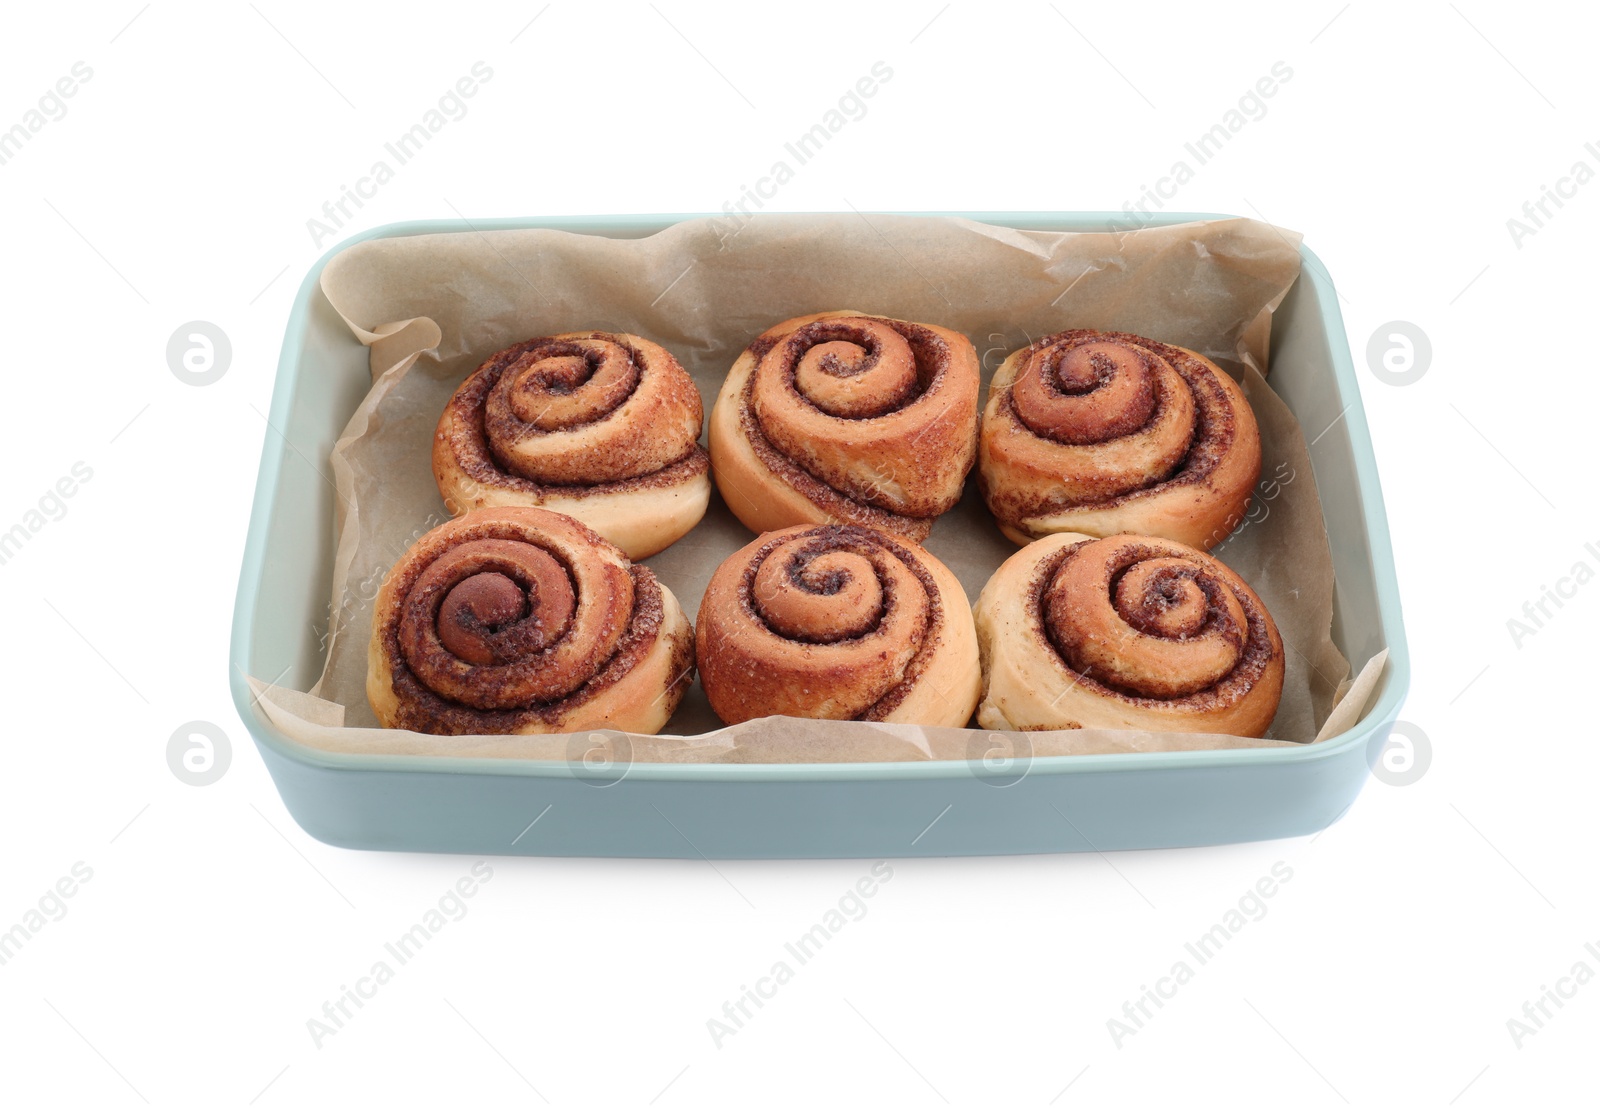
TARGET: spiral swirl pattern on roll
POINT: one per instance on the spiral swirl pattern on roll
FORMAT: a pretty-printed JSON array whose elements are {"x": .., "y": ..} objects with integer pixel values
[
  {"x": 1101, "y": 432},
  {"x": 845, "y": 418},
  {"x": 837, "y": 622},
  {"x": 600, "y": 426},
  {"x": 520, "y": 620},
  {"x": 1127, "y": 632}
]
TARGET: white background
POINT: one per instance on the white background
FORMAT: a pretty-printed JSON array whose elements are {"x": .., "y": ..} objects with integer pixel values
[{"x": 177, "y": 187}]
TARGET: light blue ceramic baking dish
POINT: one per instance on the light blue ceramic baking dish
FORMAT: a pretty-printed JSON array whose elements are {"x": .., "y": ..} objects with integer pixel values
[{"x": 1094, "y": 802}]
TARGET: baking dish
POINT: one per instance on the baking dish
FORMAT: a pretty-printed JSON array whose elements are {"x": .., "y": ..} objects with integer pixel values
[{"x": 1081, "y": 802}]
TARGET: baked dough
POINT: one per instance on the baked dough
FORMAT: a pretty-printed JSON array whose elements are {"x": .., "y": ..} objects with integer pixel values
[
  {"x": 837, "y": 622},
  {"x": 599, "y": 426},
  {"x": 524, "y": 621},
  {"x": 841, "y": 417},
  {"x": 1102, "y": 432},
  {"x": 1128, "y": 632}
]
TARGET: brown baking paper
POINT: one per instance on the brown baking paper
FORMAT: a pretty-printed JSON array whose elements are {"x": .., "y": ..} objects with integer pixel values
[{"x": 433, "y": 307}]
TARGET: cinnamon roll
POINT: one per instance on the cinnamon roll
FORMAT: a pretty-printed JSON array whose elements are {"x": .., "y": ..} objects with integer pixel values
[
  {"x": 1102, "y": 432},
  {"x": 1125, "y": 632},
  {"x": 524, "y": 621},
  {"x": 837, "y": 622},
  {"x": 602, "y": 427},
  {"x": 847, "y": 418}
]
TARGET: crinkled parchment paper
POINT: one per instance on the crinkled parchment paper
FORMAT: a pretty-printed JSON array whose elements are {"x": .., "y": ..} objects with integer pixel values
[{"x": 433, "y": 307}]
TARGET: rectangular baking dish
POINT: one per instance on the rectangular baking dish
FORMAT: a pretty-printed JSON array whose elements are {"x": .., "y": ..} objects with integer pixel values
[{"x": 1055, "y": 804}]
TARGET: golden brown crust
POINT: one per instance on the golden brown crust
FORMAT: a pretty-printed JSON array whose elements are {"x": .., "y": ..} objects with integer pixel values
[
  {"x": 599, "y": 426},
  {"x": 837, "y": 622},
  {"x": 1103, "y": 432},
  {"x": 839, "y": 417},
  {"x": 1128, "y": 632},
  {"x": 524, "y": 621}
]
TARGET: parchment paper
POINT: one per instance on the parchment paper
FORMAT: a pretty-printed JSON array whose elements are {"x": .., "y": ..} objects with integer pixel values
[{"x": 432, "y": 308}]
